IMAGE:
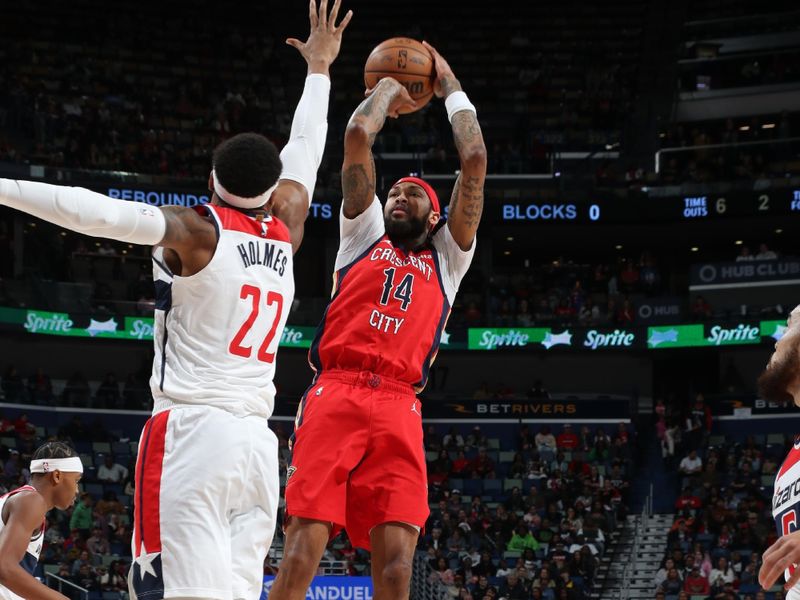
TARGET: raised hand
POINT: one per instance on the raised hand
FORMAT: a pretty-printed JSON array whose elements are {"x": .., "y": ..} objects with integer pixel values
[
  {"x": 323, "y": 43},
  {"x": 446, "y": 82}
]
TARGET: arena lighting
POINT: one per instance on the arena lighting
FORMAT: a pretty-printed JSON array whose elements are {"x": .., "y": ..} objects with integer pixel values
[
  {"x": 695, "y": 248},
  {"x": 618, "y": 246},
  {"x": 779, "y": 231},
  {"x": 738, "y": 242},
  {"x": 507, "y": 252},
  {"x": 768, "y": 126},
  {"x": 509, "y": 239},
  {"x": 744, "y": 128}
]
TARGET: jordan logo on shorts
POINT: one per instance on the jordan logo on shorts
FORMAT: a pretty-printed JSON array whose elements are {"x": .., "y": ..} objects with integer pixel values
[{"x": 414, "y": 409}]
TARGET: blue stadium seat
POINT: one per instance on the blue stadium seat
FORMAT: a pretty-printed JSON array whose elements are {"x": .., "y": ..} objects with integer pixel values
[
  {"x": 492, "y": 486},
  {"x": 456, "y": 484},
  {"x": 473, "y": 487}
]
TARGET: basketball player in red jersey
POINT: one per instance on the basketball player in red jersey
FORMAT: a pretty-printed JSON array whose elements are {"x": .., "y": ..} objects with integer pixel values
[
  {"x": 358, "y": 460},
  {"x": 204, "y": 519},
  {"x": 780, "y": 382}
]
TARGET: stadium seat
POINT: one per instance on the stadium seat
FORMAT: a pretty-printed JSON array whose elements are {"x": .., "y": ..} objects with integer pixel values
[
  {"x": 510, "y": 484},
  {"x": 492, "y": 486},
  {"x": 101, "y": 447},
  {"x": 473, "y": 487},
  {"x": 457, "y": 484},
  {"x": 493, "y": 444},
  {"x": 775, "y": 439},
  {"x": 716, "y": 441},
  {"x": 431, "y": 455},
  {"x": 507, "y": 456}
]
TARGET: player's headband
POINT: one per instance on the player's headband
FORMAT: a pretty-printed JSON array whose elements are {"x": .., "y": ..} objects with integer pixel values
[
  {"x": 72, "y": 464},
  {"x": 425, "y": 186},
  {"x": 239, "y": 201}
]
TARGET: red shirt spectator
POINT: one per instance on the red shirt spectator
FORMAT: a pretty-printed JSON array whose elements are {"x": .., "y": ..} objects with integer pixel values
[
  {"x": 696, "y": 583},
  {"x": 687, "y": 500},
  {"x": 567, "y": 440},
  {"x": 482, "y": 465},
  {"x": 460, "y": 464}
]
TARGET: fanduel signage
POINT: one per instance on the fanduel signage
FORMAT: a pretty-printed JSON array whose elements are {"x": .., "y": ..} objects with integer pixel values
[
  {"x": 709, "y": 276},
  {"x": 331, "y": 588}
]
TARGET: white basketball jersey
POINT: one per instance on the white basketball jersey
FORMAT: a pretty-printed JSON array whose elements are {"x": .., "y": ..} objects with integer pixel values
[
  {"x": 786, "y": 504},
  {"x": 217, "y": 331},
  {"x": 34, "y": 545}
]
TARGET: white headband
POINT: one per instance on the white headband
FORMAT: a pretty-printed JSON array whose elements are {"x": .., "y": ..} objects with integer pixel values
[
  {"x": 48, "y": 465},
  {"x": 238, "y": 201}
]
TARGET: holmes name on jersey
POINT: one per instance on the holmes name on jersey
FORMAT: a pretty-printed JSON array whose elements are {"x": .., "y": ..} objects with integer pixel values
[{"x": 263, "y": 253}]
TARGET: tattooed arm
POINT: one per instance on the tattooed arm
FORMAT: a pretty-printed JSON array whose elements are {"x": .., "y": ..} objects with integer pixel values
[
  {"x": 358, "y": 168},
  {"x": 466, "y": 202}
]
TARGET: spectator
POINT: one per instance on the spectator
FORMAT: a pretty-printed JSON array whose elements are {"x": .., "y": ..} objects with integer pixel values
[
  {"x": 764, "y": 253},
  {"x": 460, "y": 464},
  {"x": 721, "y": 575},
  {"x": 476, "y": 438},
  {"x": 691, "y": 464},
  {"x": 514, "y": 588},
  {"x": 696, "y": 583},
  {"x": 522, "y": 539},
  {"x": 97, "y": 544},
  {"x": 81, "y": 519},
  {"x": 546, "y": 444},
  {"x": 701, "y": 310},
  {"x": 567, "y": 440},
  {"x": 538, "y": 391},
  {"x": 40, "y": 388},
  {"x": 441, "y": 572},
  {"x": 482, "y": 466},
  {"x": 744, "y": 254},
  {"x": 672, "y": 585},
  {"x": 452, "y": 439},
  {"x": 13, "y": 387},
  {"x": 83, "y": 560},
  {"x": 107, "y": 395},
  {"x": 110, "y": 471}
]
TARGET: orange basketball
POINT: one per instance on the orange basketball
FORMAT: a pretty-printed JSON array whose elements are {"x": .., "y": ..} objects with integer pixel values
[{"x": 407, "y": 61}]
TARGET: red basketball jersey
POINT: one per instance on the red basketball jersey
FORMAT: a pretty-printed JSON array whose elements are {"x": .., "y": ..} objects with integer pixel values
[{"x": 389, "y": 306}]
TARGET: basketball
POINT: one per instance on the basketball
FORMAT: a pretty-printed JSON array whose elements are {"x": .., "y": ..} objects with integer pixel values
[{"x": 407, "y": 61}]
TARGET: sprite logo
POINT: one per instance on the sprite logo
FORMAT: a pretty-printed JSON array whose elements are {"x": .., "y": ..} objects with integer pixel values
[
  {"x": 741, "y": 334},
  {"x": 53, "y": 323}
]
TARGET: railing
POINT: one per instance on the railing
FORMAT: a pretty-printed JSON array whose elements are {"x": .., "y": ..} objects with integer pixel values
[
  {"x": 630, "y": 560},
  {"x": 62, "y": 582},
  {"x": 685, "y": 149},
  {"x": 422, "y": 588}
]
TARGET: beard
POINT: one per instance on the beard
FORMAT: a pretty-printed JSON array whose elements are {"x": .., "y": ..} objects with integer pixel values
[
  {"x": 774, "y": 382},
  {"x": 405, "y": 231}
]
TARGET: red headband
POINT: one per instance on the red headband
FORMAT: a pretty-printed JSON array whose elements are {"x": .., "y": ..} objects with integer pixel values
[{"x": 425, "y": 186}]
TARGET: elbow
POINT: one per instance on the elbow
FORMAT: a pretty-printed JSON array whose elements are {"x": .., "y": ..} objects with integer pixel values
[
  {"x": 6, "y": 570},
  {"x": 356, "y": 133},
  {"x": 475, "y": 158}
]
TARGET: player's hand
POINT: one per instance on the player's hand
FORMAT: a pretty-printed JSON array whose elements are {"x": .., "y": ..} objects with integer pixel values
[
  {"x": 446, "y": 82},
  {"x": 323, "y": 43},
  {"x": 778, "y": 557},
  {"x": 400, "y": 98}
]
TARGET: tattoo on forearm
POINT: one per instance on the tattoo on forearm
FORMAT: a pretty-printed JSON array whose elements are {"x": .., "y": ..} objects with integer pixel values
[
  {"x": 358, "y": 186},
  {"x": 374, "y": 110},
  {"x": 466, "y": 132},
  {"x": 471, "y": 200},
  {"x": 449, "y": 85}
]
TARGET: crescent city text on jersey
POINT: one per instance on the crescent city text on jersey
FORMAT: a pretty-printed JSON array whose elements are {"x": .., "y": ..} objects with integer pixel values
[
  {"x": 263, "y": 253},
  {"x": 389, "y": 255}
]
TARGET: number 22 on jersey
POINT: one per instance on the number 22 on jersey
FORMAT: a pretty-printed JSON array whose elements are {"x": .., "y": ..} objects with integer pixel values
[{"x": 272, "y": 299}]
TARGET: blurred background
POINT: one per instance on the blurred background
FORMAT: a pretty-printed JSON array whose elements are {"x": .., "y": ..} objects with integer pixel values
[{"x": 592, "y": 423}]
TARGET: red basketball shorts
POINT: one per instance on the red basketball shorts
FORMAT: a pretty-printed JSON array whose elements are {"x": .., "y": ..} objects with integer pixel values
[{"x": 357, "y": 455}]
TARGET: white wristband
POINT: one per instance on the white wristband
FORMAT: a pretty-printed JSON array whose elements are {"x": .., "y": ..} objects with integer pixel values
[{"x": 456, "y": 102}]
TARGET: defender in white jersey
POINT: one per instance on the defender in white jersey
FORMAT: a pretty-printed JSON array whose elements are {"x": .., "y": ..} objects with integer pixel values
[
  {"x": 781, "y": 382},
  {"x": 55, "y": 472},
  {"x": 207, "y": 472}
]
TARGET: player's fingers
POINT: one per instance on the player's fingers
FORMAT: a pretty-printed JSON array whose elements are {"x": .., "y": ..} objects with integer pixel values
[
  {"x": 334, "y": 14},
  {"x": 323, "y": 13},
  {"x": 295, "y": 43},
  {"x": 312, "y": 13},
  {"x": 344, "y": 22},
  {"x": 775, "y": 560},
  {"x": 793, "y": 579}
]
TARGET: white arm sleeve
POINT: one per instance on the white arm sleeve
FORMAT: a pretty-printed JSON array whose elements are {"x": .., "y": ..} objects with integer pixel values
[
  {"x": 302, "y": 154},
  {"x": 86, "y": 211}
]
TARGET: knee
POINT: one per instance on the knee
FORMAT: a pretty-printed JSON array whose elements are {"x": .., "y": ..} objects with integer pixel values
[
  {"x": 396, "y": 574},
  {"x": 297, "y": 566}
]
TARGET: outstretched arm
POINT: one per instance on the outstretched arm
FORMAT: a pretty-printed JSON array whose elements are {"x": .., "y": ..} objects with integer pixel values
[
  {"x": 191, "y": 236},
  {"x": 358, "y": 168},
  {"x": 466, "y": 202},
  {"x": 302, "y": 154}
]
